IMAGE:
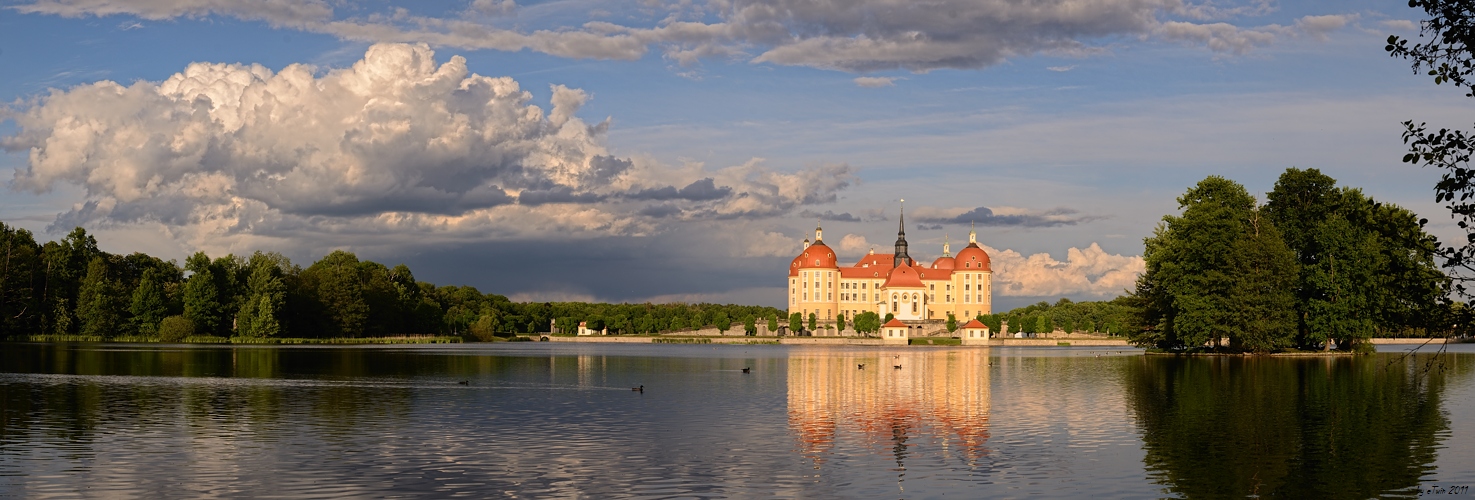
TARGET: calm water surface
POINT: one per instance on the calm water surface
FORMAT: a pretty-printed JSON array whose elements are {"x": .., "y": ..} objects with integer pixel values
[{"x": 560, "y": 420}]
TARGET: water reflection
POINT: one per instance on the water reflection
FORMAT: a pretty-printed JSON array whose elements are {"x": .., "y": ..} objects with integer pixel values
[
  {"x": 935, "y": 395},
  {"x": 1298, "y": 428},
  {"x": 806, "y": 422}
]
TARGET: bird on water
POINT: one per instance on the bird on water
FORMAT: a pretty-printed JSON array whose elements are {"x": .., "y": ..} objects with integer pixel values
[
  {"x": 638, "y": 389},
  {"x": 746, "y": 370},
  {"x": 464, "y": 382}
]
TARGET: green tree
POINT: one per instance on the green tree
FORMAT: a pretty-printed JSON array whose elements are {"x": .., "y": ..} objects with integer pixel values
[
  {"x": 1044, "y": 325},
  {"x": 202, "y": 304},
  {"x": 813, "y": 322},
  {"x": 339, "y": 288},
  {"x": 148, "y": 305},
  {"x": 98, "y": 307},
  {"x": 1218, "y": 271},
  {"x": 840, "y": 322},
  {"x": 867, "y": 322},
  {"x": 889, "y": 317},
  {"x": 722, "y": 321},
  {"x": 772, "y": 324},
  {"x": 259, "y": 316},
  {"x": 750, "y": 325},
  {"x": 1448, "y": 55},
  {"x": 21, "y": 282},
  {"x": 1364, "y": 265},
  {"x": 952, "y": 323}
]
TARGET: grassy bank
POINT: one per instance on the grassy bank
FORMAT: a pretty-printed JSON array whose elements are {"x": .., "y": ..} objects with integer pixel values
[{"x": 207, "y": 339}]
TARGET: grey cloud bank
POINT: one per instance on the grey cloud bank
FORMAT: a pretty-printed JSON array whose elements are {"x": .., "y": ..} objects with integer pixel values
[{"x": 853, "y": 36}]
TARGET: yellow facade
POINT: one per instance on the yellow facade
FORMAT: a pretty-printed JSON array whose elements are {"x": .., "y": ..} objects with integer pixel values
[{"x": 961, "y": 285}]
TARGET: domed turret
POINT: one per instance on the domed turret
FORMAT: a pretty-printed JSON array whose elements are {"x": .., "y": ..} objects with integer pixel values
[
  {"x": 972, "y": 257},
  {"x": 818, "y": 255},
  {"x": 946, "y": 261}
]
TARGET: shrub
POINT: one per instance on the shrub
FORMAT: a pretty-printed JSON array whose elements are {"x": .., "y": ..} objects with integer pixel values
[
  {"x": 484, "y": 329},
  {"x": 175, "y": 329}
]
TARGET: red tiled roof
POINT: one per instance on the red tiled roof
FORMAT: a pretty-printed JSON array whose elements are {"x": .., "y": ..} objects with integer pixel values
[
  {"x": 943, "y": 263},
  {"x": 882, "y": 260},
  {"x": 817, "y": 255},
  {"x": 903, "y": 277},
  {"x": 971, "y": 258},
  {"x": 863, "y": 272},
  {"x": 974, "y": 323},
  {"x": 894, "y": 323},
  {"x": 935, "y": 274}
]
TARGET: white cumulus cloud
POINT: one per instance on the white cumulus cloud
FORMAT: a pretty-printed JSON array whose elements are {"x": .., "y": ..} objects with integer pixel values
[
  {"x": 395, "y": 143},
  {"x": 1087, "y": 271},
  {"x": 854, "y": 244}
]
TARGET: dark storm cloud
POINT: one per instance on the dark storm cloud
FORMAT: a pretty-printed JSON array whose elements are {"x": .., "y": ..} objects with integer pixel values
[
  {"x": 983, "y": 216},
  {"x": 700, "y": 190},
  {"x": 613, "y": 268},
  {"x": 558, "y": 194},
  {"x": 829, "y": 215},
  {"x": 660, "y": 210},
  {"x": 604, "y": 168}
]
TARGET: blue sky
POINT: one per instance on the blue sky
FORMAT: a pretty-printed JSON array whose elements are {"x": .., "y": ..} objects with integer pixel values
[{"x": 657, "y": 150}]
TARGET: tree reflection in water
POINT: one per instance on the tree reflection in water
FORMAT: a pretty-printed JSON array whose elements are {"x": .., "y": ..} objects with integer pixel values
[{"x": 1343, "y": 427}]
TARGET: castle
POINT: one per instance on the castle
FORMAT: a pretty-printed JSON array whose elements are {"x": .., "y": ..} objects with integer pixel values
[{"x": 891, "y": 283}]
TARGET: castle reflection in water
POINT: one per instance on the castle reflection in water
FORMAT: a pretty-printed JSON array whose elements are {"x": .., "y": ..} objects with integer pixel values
[{"x": 938, "y": 399}]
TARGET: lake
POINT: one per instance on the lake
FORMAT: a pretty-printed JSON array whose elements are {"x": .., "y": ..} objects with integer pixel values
[{"x": 560, "y": 420}]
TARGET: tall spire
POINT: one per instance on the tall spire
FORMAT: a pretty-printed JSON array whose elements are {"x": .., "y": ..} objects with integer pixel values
[
  {"x": 946, "y": 252},
  {"x": 819, "y": 232},
  {"x": 901, "y": 221},
  {"x": 901, "y": 256},
  {"x": 972, "y": 235}
]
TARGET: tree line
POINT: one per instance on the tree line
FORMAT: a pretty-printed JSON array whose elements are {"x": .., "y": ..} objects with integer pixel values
[
  {"x": 1111, "y": 317},
  {"x": 70, "y": 287},
  {"x": 1317, "y": 266}
]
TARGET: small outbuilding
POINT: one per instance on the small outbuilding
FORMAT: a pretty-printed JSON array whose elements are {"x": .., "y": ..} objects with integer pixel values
[
  {"x": 974, "y": 333},
  {"x": 895, "y": 332}
]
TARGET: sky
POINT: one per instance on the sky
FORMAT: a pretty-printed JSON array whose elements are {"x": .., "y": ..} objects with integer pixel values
[{"x": 656, "y": 150}]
